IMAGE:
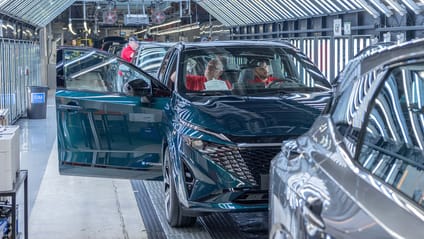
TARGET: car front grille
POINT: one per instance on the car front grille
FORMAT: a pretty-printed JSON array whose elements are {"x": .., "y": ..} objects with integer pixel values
[
  {"x": 258, "y": 159},
  {"x": 246, "y": 163}
]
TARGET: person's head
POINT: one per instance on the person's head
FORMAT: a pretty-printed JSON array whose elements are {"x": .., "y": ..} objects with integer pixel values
[
  {"x": 133, "y": 42},
  {"x": 214, "y": 69},
  {"x": 261, "y": 72}
]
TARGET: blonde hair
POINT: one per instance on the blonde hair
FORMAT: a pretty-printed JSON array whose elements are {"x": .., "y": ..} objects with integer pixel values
[{"x": 216, "y": 64}]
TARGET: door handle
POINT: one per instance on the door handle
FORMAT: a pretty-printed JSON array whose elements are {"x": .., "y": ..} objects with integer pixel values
[
  {"x": 311, "y": 210},
  {"x": 70, "y": 107}
]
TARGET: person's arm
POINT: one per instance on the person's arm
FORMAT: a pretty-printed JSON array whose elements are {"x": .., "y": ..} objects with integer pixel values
[{"x": 228, "y": 84}]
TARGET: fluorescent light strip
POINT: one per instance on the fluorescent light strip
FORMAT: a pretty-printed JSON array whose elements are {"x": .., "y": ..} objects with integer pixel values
[
  {"x": 230, "y": 15},
  {"x": 85, "y": 26},
  {"x": 382, "y": 7},
  {"x": 321, "y": 6},
  {"x": 166, "y": 24},
  {"x": 140, "y": 32},
  {"x": 330, "y": 8},
  {"x": 296, "y": 11},
  {"x": 300, "y": 10},
  {"x": 70, "y": 29},
  {"x": 268, "y": 10},
  {"x": 234, "y": 13},
  {"x": 255, "y": 8},
  {"x": 395, "y": 5},
  {"x": 315, "y": 7},
  {"x": 279, "y": 8},
  {"x": 220, "y": 10},
  {"x": 159, "y": 26},
  {"x": 355, "y": 2},
  {"x": 245, "y": 11},
  {"x": 368, "y": 8},
  {"x": 307, "y": 7},
  {"x": 337, "y": 8},
  {"x": 350, "y": 4},
  {"x": 343, "y": 5},
  {"x": 412, "y": 5},
  {"x": 179, "y": 29}
]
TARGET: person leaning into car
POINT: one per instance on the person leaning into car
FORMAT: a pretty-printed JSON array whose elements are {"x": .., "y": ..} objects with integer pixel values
[
  {"x": 129, "y": 51},
  {"x": 211, "y": 80}
]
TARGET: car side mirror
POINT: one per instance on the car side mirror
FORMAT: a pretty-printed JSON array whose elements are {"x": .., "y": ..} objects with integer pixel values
[{"x": 137, "y": 87}]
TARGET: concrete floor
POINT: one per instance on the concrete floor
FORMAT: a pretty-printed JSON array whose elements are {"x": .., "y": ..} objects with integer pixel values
[{"x": 66, "y": 206}]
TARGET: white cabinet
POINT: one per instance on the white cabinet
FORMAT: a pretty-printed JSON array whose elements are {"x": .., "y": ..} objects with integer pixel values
[{"x": 9, "y": 156}]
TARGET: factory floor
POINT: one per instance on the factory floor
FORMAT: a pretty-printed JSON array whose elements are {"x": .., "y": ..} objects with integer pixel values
[{"x": 68, "y": 206}]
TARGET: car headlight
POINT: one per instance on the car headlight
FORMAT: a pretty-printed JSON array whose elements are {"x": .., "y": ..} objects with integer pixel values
[
  {"x": 204, "y": 146},
  {"x": 197, "y": 144}
]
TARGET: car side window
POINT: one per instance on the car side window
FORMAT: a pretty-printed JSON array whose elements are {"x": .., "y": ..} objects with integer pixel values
[
  {"x": 109, "y": 75},
  {"x": 393, "y": 144},
  {"x": 169, "y": 62},
  {"x": 164, "y": 65}
]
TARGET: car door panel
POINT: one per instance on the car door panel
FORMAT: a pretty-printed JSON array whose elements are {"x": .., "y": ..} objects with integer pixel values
[
  {"x": 101, "y": 131},
  {"x": 109, "y": 121}
]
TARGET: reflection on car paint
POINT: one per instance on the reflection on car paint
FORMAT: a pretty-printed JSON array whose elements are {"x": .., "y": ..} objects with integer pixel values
[{"x": 361, "y": 160}]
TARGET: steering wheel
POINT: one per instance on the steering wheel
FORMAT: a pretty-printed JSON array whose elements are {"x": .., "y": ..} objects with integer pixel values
[{"x": 277, "y": 83}]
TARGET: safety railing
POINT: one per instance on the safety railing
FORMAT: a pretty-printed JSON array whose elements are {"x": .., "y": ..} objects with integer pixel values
[{"x": 331, "y": 54}]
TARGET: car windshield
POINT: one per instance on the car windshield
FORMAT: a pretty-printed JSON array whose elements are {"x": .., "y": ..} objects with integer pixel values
[{"x": 257, "y": 70}]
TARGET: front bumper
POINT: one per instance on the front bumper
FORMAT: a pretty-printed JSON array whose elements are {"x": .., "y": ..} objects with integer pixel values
[{"x": 224, "y": 178}]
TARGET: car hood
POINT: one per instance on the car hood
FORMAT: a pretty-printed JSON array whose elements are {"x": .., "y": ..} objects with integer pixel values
[{"x": 288, "y": 115}]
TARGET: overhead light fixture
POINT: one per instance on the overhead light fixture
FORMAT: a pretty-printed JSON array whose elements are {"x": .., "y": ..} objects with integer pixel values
[
  {"x": 368, "y": 8},
  {"x": 85, "y": 16},
  {"x": 395, "y": 5},
  {"x": 158, "y": 26},
  {"x": 178, "y": 29},
  {"x": 166, "y": 24},
  {"x": 70, "y": 28},
  {"x": 85, "y": 26},
  {"x": 70, "y": 24},
  {"x": 412, "y": 5}
]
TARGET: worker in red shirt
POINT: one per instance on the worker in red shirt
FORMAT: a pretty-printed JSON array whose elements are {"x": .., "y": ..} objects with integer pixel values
[
  {"x": 261, "y": 76},
  {"x": 211, "y": 80},
  {"x": 129, "y": 51}
]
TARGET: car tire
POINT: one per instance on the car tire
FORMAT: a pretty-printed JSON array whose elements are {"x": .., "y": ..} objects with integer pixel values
[{"x": 173, "y": 210}]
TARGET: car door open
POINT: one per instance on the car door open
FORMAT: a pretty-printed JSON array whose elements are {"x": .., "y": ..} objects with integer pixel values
[{"x": 113, "y": 132}]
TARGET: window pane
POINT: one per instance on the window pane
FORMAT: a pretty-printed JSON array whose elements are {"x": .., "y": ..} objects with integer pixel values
[{"x": 392, "y": 148}]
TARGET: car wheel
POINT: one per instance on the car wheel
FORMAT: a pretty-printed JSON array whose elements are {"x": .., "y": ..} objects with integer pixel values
[{"x": 173, "y": 210}]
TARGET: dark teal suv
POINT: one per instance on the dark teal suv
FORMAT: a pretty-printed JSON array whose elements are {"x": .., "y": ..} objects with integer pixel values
[{"x": 208, "y": 126}]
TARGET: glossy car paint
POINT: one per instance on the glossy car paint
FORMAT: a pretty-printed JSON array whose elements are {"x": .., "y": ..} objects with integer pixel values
[
  {"x": 110, "y": 132},
  {"x": 318, "y": 187},
  {"x": 239, "y": 135},
  {"x": 230, "y": 122}
]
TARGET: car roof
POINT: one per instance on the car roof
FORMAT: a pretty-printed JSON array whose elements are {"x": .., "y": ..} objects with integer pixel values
[
  {"x": 87, "y": 49},
  {"x": 236, "y": 43},
  {"x": 393, "y": 54},
  {"x": 143, "y": 45}
]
